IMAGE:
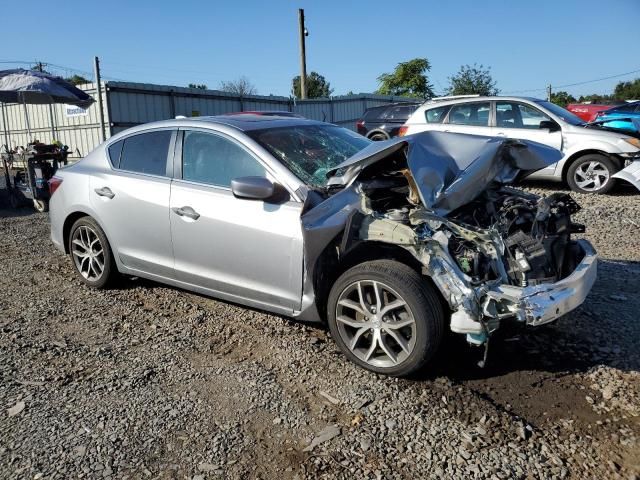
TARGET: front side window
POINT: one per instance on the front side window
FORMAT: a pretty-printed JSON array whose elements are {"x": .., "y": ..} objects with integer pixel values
[
  {"x": 310, "y": 151},
  {"x": 216, "y": 160},
  {"x": 145, "y": 153},
  {"x": 472, "y": 114},
  {"x": 518, "y": 115},
  {"x": 436, "y": 115}
]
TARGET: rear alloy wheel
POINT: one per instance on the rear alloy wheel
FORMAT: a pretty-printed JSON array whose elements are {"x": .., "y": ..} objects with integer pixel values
[
  {"x": 385, "y": 317},
  {"x": 592, "y": 174},
  {"x": 91, "y": 254}
]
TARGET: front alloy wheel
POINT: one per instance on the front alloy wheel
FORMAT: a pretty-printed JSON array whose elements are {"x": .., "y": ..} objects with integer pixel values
[
  {"x": 385, "y": 317},
  {"x": 375, "y": 323},
  {"x": 592, "y": 174}
]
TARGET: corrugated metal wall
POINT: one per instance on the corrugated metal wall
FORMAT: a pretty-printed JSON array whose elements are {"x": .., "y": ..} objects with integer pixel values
[
  {"x": 128, "y": 104},
  {"x": 81, "y": 133}
]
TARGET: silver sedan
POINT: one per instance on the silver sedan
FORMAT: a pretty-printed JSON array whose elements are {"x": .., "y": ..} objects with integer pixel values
[{"x": 387, "y": 242}]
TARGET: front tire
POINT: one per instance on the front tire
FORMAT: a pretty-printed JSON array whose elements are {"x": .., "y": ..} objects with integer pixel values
[
  {"x": 91, "y": 254},
  {"x": 592, "y": 173},
  {"x": 385, "y": 317}
]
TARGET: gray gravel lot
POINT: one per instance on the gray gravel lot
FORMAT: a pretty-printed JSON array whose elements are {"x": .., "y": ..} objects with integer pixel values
[{"x": 145, "y": 381}]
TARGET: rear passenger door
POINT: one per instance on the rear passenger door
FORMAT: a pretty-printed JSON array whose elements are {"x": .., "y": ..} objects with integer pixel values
[
  {"x": 131, "y": 201},
  {"x": 472, "y": 118}
]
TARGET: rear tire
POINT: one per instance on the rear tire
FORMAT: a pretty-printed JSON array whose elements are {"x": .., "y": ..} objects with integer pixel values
[
  {"x": 41, "y": 205},
  {"x": 378, "y": 136},
  {"x": 592, "y": 173},
  {"x": 91, "y": 254},
  {"x": 386, "y": 317}
]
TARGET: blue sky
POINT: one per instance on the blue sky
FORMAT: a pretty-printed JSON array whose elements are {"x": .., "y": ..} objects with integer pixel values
[{"x": 527, "y": 44}]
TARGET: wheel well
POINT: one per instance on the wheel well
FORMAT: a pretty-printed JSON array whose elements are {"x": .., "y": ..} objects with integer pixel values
[
  {"x": 330, "y": 266},
  {"x": 66, "y": 228},
  {"x": 582, "y": 153}
]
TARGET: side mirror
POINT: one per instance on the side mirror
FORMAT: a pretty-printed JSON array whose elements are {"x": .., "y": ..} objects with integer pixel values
[
  {"x": 549, "y": 125},
  {"x": 252, "y": 188}
]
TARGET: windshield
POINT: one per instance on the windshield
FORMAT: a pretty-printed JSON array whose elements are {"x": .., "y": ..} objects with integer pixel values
[
  {"x": 310, "y": 151},
  {"x": 564, "y": 114}
]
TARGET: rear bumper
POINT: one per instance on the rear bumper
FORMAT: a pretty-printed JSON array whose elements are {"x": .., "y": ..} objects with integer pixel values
[{"x": 540, "y": 304}]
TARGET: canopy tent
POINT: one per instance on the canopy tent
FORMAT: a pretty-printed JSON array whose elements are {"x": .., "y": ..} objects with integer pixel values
[{"x": 33, "y": 87}]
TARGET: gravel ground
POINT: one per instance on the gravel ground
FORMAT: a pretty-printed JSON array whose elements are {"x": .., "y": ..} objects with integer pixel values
[{"x": 145, "y": 381}]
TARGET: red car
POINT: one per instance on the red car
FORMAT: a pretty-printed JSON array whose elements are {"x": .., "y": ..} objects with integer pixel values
[{"x": 589, "y": 111}]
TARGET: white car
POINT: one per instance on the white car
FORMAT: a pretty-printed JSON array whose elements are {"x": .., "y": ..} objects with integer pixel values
[{"x": 593, "y": 156}]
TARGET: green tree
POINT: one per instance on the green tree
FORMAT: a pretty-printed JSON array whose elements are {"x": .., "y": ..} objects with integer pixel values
[
  {"x": 472, "y": 80},
  {"x": 77, "y": 80},
  {"x": 627, "y": 90},
  {"x": 595, "y": 98},
  {"x": 242, "y": 87},
  {"x": 317, "y": 86},
  {"x": 562, "y": 98},
  {"x": 199, "y": 86},
  {"x": 409, "y": 79}
]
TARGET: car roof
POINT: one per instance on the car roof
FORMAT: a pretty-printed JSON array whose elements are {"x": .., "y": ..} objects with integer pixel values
[
  {"x": 243, "y": 123},
  {"x": 430, "y": 103}
]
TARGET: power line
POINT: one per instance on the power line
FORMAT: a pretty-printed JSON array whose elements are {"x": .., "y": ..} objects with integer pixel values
[{"x": 574, "y": 84}]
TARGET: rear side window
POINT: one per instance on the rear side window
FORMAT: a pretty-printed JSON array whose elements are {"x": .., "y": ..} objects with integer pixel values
[
  {"x": 146, "y": 153},
  {"x": 114, "y": 153},
  {"x": 625, "y": 108},
  {"x": 473, "y": 114},
  {"x": 436, "y": 115},
  {"x": 399, "y": 113}
]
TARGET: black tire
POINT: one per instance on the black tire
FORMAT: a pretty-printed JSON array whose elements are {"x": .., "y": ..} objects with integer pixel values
[
  {"x": 576, "y": 169},
  {"x": 420, "y": 298},
  {"x": 110, "y": 270},
  {"x": 378, "y": 136},
  {"x": 41, "y": 206}
]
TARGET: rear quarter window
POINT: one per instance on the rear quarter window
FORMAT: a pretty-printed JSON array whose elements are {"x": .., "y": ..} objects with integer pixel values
[{"x": 114, "y": 153}]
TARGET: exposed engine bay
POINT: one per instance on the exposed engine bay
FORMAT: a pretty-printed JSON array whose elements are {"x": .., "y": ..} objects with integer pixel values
[{"x": 495, "y": 253}]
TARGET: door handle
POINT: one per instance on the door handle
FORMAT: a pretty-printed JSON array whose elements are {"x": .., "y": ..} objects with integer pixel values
[
  {"x": 186, "y": 212},
  {"x": 105, "y": 192}
]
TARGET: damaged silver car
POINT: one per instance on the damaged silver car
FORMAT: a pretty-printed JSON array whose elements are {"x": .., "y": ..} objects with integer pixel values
[{"x": 390, "y": 243}]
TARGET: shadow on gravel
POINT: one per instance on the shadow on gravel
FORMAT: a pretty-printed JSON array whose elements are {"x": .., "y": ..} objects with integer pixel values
[{"x": 8, "y": 212}]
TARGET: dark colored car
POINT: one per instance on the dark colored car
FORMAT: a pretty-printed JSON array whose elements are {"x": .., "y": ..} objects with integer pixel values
[{"x": 383, "y": 122}]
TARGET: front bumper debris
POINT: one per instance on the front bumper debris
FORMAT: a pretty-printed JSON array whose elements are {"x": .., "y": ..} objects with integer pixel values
[
  {"x": 631, "y": 173},
  {"x": 539, "y": 304}
]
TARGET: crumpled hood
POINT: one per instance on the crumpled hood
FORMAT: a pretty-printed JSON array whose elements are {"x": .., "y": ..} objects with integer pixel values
[{"x": 451, "y": 169}]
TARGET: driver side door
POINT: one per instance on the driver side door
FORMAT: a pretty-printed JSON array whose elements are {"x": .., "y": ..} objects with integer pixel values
[{"x": 243, "y": 250}]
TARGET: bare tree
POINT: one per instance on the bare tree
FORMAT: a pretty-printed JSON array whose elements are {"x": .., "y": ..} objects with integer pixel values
[{"x": 242, "y": 87}]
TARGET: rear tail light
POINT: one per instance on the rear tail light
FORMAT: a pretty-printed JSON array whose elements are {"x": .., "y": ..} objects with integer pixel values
[
  {"x": 54, "y": 183},
  {"x": 360, "y": 124},
  {"x": 402, "y": 131}
]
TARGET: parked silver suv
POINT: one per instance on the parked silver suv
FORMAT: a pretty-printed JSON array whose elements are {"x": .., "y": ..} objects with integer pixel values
[{"x": 592, "y": 155}]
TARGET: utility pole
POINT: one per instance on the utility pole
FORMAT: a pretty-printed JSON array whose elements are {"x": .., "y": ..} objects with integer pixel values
[
  {"x": 549, "y": 92},
  {"x": 96, "y": 74},
  {"x": 303, "y": 54}
]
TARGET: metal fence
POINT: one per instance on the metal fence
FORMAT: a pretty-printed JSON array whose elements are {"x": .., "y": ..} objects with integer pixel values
[{"x": 128, "y": 104}]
